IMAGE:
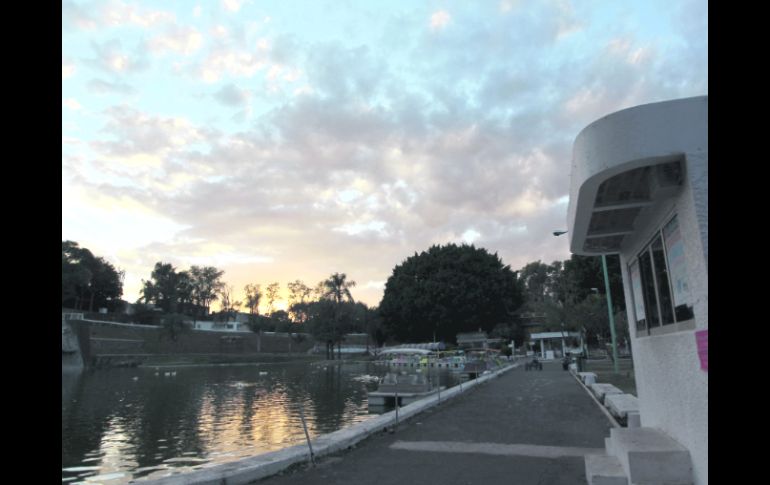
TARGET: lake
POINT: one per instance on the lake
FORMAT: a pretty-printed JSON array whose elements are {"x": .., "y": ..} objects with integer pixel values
[{"x": 120, "y": 425}]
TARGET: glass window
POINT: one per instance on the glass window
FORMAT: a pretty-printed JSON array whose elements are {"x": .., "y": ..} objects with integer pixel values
[
  {"x": 636, "y": 294},
  {"x": 680, "y": 288},
  {"x": 648, "y": 289},
  {"x": 659, "y": 281},
  {"x": 661, "y": 278}
]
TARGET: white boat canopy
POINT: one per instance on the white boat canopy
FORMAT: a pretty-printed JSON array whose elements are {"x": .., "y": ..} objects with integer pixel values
[{"x": 406, "y": 351}]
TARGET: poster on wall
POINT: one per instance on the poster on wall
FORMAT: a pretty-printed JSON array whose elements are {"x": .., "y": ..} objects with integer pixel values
[
  {"x": 636, "y": 285},
  {"x": 676, "y": 263}
]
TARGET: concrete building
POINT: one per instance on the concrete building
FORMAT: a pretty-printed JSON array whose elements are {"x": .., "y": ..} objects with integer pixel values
[{"x": 639, "y": 188}]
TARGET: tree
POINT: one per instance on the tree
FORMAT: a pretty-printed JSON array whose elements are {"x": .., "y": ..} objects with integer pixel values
[
  {"x": 272, "y": 294},
  {"x": 447, "y": 290},
  {"x": 229, "y": 306},
  {"x": 299, "y": 293},
  {"x": 89, "y": 281},
  {"x": 323, "y": 324},
  {"x": 253, "y": 296},
  {"x": 206, "y": 283},
  {"x": 162, "y": 289},
  {"x": 337, "y": 289}
]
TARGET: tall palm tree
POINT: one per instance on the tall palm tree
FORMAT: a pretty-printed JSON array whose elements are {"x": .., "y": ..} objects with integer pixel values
[{"x": 337, "y": 289}]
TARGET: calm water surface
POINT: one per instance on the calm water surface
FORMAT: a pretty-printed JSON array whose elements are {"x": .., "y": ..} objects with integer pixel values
[{"x": 120, "y": 425}]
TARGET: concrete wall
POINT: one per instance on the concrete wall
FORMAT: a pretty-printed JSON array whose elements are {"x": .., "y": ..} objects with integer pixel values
[
  {"x": 672, "y": 388},
  {"x": 104, "y": 338}
]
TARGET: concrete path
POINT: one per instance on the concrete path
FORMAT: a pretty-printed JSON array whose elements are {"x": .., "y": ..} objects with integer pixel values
[{"x": 523, "y": 428}]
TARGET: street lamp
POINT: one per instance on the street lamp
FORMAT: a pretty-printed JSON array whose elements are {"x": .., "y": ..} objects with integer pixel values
[{"x": 609, "y": 307}]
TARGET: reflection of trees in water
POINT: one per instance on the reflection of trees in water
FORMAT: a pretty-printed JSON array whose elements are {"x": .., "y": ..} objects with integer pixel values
[
  {"x": 334, "y": 395},
  {"x": 202, "y": 409},
  {"x": 83, "y": 419},
  {"x": 166, "y": 409}
]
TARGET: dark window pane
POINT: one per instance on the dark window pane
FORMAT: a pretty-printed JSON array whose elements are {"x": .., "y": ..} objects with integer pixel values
[
  {"x": 648, "y": 288},
  {"x": 661, "y": 277}
]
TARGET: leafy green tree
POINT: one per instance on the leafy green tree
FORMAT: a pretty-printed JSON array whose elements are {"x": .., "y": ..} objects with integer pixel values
[
  {"x": 447, "y": 290},
  {"x": 337, "y": 289},
  {"x": 206, "y": 283},
  {"x": 88, "y": 281},
  {"x": 162, "y": 289},
  {"x": 324, "y": 324}
]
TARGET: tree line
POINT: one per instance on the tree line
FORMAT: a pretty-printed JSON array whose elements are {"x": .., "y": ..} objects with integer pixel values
[{"x": 430, "y": 296}]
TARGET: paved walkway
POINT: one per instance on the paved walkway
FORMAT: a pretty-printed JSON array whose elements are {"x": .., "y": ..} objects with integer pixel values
[{"x": 523, "y": 428}]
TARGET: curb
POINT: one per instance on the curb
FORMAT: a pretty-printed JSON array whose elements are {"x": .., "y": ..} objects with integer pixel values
[
  {"x": 612, "y": 419},
  {"x": 247, "y": 470}
]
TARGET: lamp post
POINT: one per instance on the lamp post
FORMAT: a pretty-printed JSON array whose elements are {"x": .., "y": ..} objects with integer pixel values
[{"x": 609, "y": 307}]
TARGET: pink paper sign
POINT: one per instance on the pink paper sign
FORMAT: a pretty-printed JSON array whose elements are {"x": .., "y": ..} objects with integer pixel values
[{"x": 702, "y": 339}]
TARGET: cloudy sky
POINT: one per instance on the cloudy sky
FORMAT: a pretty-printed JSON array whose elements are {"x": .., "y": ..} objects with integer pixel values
[{"x": 283, "y": 140}]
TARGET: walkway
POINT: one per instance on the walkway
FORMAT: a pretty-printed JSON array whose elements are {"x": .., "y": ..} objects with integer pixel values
[{"x": 523, "y": 428}]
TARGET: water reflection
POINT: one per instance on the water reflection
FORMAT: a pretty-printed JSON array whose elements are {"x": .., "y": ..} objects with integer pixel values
[{"x": 123, "y": 424}]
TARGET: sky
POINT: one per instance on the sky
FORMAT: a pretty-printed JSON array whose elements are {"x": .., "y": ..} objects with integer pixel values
[{"x": 284, "y": 140}]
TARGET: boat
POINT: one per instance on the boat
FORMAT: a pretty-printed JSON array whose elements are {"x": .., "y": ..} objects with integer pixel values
[{"x": 402, "y": 390}]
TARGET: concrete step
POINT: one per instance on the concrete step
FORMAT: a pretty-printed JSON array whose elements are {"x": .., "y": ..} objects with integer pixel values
[
  {"x": 608, "y": 448},
  {"x": 650, "y": 457},
  {"x": 620, "y": 405},
  {"x": 604, "y": 470},
  {"x": 601, "y": 391}
]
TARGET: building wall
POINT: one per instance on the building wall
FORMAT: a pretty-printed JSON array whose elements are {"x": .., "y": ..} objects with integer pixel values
[
  {"x": 105, "y": 338},
  {"x": 672, "y": 388}
]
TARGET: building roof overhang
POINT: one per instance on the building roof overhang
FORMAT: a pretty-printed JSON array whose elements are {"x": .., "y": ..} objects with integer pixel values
[{"x": 626, "y": 163}]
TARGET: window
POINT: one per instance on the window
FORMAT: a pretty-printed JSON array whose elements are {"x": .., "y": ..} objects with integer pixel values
[{"x": 659, "y": 281}]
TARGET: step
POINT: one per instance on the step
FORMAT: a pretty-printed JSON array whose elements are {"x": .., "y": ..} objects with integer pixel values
[
  {"x": 651, "y": 457},
  {"x": 603, "y": 390},
  {"x": 604, "y": 470},
  {"x": 584, "y": 375},
  {"x": 620, "y": 405},
  {"x": 608, "y": 448}
]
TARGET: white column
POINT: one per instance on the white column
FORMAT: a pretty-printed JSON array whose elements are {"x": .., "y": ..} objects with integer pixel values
[
  {"x": 542, "y": 348},
  {"x": 563, "y": 347}
]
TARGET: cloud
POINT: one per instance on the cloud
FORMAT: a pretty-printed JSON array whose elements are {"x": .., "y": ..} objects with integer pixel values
[
  {"x": 231, "y": 95},
  {"x": 67, "y": 70},
  {"x": 102, "y": 15},
  {"x": 439, "y": 20},
  {"x": 111, "y": 57},
  {"x": 180, "y": 40},
  {"x": 462, "y": 137},
  {"x": 232, "y": 5},
  {"x": 138, "y": 134},
  {"x": 71, "y": 103},
  {"x": 99, "y": 86}
]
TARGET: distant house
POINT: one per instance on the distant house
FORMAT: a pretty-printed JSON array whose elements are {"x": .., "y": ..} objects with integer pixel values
[
  {"x": 478, "y": 340},
  {"x": 213, "y": 326}
]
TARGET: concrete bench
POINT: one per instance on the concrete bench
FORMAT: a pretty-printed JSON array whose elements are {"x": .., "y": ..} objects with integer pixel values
[
  {"x": 603, "y": 390},
  {"x": 619, "y": 405},
  {"x": 587, "y": 378}
]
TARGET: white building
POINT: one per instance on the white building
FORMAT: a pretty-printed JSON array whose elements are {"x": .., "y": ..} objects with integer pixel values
[
  {"x": 639, "y": 188},
  {"x": 220, "y": 326}
]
